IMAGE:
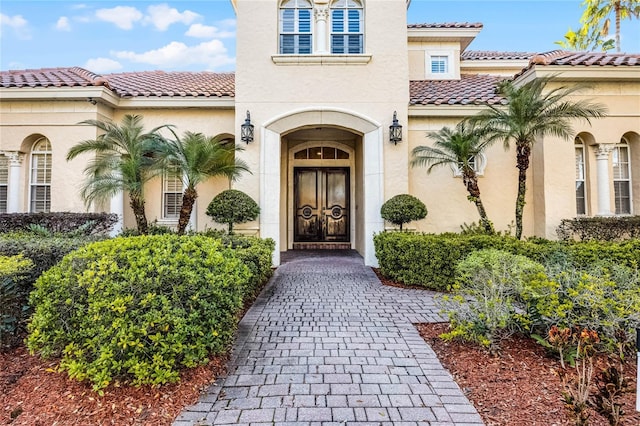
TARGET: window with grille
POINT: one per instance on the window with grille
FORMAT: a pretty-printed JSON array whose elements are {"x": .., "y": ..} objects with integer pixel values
[
  {"x": 40, "y": 177},
  {"x": 347, "y": 34},
  {"x": 4, "y": 183},
  {"x": 439, "y": 64},
  {"x": 295, "y": 27},
  {"x": 622, "y": 179},
  {"x": 321, "y": 153},
  {"x": 581, "y": 199},
  {"x": 171, "y": 195}
]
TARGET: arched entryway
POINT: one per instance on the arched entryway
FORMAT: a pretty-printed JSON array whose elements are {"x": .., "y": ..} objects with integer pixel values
[{"x": 340, "y": 155}]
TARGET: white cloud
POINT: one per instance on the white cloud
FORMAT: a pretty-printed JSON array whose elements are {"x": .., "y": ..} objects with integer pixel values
[
  {"x": 162, "y": 16},
  {"x": 79, "y": 6},
  {"x": 121, "y": 16},
  {"x": 19, "y": 25},
  {"x": 102, "y": 65},
  {"x": 207, "y": 31},
  {"x": 210, "y": 55},
  {"x": 63, "y": 24}
]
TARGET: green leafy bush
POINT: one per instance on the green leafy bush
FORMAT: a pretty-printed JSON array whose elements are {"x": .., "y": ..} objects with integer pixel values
[
  {"x": 403, "y": 208},
  {"x": 138, "y": 309},
  {"x": 232, "y": 206},
  {"x": 59, "y": 222},
  {"x": 13, "y": 270},
  {"x": 616, "y": 228},
  {"x": 483, "y": 306}
]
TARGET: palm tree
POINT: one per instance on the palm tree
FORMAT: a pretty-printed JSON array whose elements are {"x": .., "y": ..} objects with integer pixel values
[
  {"x": 196, "y": 158},
  {"x": 457, "y": 147},
  {"x": 531, "y": 115},
  {"x": 124, "y": 161},
  {"x": 596, "y": 22}
]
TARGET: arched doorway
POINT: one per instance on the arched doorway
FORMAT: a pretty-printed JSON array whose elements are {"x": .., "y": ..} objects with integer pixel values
[{"x": 360, "y": 177}]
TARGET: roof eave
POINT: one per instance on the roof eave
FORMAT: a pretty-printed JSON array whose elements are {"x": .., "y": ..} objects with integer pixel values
[
  {"x": 445, "y": 110},
  {"x": 462, "y": 35},
  {"x": 580, "y": 72},
  {"x": 225, "y": 102},
  {"x": 77, "y": 93}
]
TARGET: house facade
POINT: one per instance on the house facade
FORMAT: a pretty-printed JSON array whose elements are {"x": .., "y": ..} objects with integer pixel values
[{"x": 321, "y": 82}]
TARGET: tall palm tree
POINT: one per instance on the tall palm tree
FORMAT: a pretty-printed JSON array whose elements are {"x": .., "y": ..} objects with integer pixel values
[
  {"x": 532, "y": 113},
  {"x": 457, "y": 147},
  {"x": 196, "y": 158},
  {"x": 124, "y": 161},
  {"x": 596, "y": 21}
]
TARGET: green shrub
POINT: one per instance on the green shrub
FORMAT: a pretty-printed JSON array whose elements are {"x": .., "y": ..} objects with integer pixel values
[
  {"x": 604, "y": 297},
  {"x": 59, "y": 222},
  {"x": 13, "y": 271},
  {"x": 138, "y": 309},
  {"x": 616, "y": 228},
  {"x": 403, "y": 208},
  {"x": 483, "y": 306},
  {"x": 232, "y": 206}
]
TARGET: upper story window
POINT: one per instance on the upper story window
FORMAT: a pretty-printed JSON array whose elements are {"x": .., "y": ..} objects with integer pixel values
[
  {"x": 4, "y": 183},
  {"x": 581, "y": 196},
  {"x": 295, "y": 27},
  {"x": 347, "y": 33},
  {"x": 40, "y": 177},
  {"x": 622, "y": 177},
  {"x": 439, "y": 64}
]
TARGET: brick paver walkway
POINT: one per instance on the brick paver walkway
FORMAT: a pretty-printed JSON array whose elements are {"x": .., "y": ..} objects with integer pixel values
[{"x": 327, "y": 344}]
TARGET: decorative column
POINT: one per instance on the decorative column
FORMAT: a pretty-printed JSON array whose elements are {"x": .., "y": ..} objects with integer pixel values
[
  {"x": 602, "y": 167},
  {"x": 15, "y": 167},
  {"x": 116, "y": 206},
  {"x": 321, "y": 13}
]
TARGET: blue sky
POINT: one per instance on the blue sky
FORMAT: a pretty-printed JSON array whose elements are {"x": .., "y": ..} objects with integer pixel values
[{"x": 120, "y": 36}]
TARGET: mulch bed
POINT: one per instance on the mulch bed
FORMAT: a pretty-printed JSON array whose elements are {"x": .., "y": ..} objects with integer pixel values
[{"x": 521, "y": 386}]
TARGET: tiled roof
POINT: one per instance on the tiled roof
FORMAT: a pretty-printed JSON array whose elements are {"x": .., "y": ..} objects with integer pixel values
[
  {"x": 485, "y": 55},
  {"x": 447, "y": 25},
  {"x": 161, "y": 83},
  {"x": 470, "y": 89},
  {"x": 47, "y": 77},
  {"x": 132, "y": 84},
  {"x": 561, "y": 57}
]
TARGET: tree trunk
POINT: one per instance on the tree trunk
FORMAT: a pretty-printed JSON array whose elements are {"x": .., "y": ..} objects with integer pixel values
[
  {"x": 188, "y": 199},
  {"x": 137, "y": 205},
  {"x": 616, "y": 7},
  {"x": 470, "y": 180},
  {"x": 523, "y": 151}
]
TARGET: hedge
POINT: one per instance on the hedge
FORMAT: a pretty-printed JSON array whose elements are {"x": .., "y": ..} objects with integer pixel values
[
  {"x": 429, "y": 260},
  {"x": 138, "y": 309},
  {"x": 13, "y": 271},
  {"x": 616, "y": 228},
  {"x": 63, "y": 222}
]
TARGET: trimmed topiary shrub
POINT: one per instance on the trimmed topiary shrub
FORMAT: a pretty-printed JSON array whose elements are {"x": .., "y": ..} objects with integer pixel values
[
  {"x": 232, "y": 206},
  {"x": 13, "y": 271},
  {"x": 138, "y": 309},
  {"x": 403, "y": 208}
]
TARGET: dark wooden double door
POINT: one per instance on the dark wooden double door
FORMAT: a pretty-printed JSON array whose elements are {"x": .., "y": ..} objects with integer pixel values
[{"x": 321, "y": 204}]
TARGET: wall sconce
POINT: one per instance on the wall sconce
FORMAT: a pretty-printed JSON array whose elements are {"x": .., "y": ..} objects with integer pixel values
[
  {"x": 246, "y": 130},
  {"x": 395, "y": 130}
]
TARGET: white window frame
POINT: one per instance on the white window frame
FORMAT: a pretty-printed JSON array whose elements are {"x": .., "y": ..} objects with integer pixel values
[
  {"x": 581, "y": 177},
  {"x": 347, "y": 33},
  {"x": 439, "y": 59},
  {"x": 4, "y": 183},
  {"x": 452, "y": 71},
  {"x": 479, "y": 164},
  {"x": 171, "y": 185},
  {"x": 618, "y": 179},
  {"x": 37, "y": 154},
  {"x": 296, "y": 6}
]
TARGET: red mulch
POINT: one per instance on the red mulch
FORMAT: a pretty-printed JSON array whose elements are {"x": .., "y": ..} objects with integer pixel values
[{"x": 32, "y": 394}]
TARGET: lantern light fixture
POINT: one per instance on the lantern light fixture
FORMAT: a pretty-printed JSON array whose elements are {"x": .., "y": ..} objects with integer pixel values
[
  {"x": 395, "y": 130},
  {"x": 246, "y": 130}
]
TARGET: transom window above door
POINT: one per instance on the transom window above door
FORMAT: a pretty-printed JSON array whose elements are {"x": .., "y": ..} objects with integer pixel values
[
  {"x": 321, "y": 153},
  {"x": 296, "y": 27}
]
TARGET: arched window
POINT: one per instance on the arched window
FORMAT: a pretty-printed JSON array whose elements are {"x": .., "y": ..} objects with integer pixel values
[
  {"x": 347, "y": 33},
  {"x": 295, "y": 26},
  {"x": 581, "y": 193},
  {"x": 4, "y": 183},
  {"x": 622, "y": 177},
  {"x": 40, "y": 177},
  {"x": 321, "y": 153}
]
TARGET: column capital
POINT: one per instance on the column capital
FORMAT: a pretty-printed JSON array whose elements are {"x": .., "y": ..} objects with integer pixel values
[
  {"x": 603, "y": 150},
  {"x": 321, "y": 12},
  {"x": 15, "y": 157}
]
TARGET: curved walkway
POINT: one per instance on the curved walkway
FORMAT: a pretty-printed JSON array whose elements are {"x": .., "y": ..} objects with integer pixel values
[{"x": 326, "y": 343}]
